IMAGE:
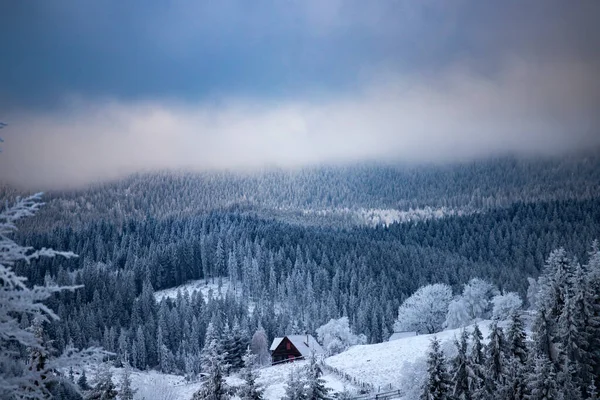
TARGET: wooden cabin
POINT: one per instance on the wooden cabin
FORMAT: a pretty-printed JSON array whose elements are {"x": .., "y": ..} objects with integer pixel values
[{"x": 293, "y": 347}]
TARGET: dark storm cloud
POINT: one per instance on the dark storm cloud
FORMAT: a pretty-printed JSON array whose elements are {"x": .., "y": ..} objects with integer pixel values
[{"x": 219, "y": 84}]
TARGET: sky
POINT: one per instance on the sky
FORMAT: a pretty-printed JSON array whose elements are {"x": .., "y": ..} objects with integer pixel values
[{"x": 98, "y": 90}]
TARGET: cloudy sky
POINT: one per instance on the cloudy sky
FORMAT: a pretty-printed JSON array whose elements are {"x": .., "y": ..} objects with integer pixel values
[{"x": 97, "y": 90}]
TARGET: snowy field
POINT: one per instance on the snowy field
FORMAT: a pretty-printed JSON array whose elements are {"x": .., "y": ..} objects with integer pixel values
[
  {"x": 197, "y": 285},
  {"x": 152, "y": 385},
  {"x": 384, "y": 365}
]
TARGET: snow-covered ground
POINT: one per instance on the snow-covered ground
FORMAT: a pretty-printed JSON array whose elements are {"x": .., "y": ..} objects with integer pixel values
[
  {"x": 152, "y": 385},
  {"x": 197, "y": 285},
  {"x": 384, "y": 365}
]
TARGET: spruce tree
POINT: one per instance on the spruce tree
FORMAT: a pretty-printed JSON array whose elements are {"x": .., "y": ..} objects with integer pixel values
[
  {"x": 437, "y": 384},
  {"x": 460, "y": 369},
  {"x": 495, "y": 359},
  {"x": 82, "y": 382},
  {"x": 213, "y": 364},
  {"x": 315, "y": 384},
  {"x": 104, "y": 389},
  {"x": 250, "y": 390},
  {"x": 295, "y": 386},
  {"x": 476, "y": 364},
  {"x": 515, "y": 337},
  {"x": 542, "y": 382},
  {"x": 126, "y": 392}
]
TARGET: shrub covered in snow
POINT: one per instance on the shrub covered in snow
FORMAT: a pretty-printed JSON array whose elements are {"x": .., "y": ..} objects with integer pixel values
[
  {"x": 425, "y": 311},
  {"x": 336, "y": 336},
  {"x": 505, "y": 305},
  {"x": 474, "y": 304}
]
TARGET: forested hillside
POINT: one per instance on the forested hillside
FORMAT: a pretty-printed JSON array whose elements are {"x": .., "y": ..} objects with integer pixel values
[
  {"x": 290, "y": 194},
  {"x": 166, "y": 229}
]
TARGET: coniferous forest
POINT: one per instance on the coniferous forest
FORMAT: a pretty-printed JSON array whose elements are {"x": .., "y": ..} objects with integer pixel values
[{"x": 290, "y": 272}]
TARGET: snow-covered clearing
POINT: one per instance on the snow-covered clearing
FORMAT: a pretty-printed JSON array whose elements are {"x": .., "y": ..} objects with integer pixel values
[
  {"x": 153, "y": 385},
  {"x": 199, "y": 285},
  {"x": 384, "y": 365}
]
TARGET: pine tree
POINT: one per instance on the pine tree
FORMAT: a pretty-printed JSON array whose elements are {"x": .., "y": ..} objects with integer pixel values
[
  {"x": 82, "y": 382},
  {"x": 515, "y": 380},
  {"x": 495, "y": 359},
  {"x": 213, "y": 364},
  {"x": 295, "y": 386},
  {"x": 542, "y": 382},
  {"x": 437, "y": 385},
  {"x": 18, "y": 300},
  {"x": 515, "y": 338},
  {"x": 592, "y": 392},
  {"x": 250, "y": 390},
  {"x": 126, "y": 392},
  {"x": 315, "y": 384},
  {"x": 476, "y": 364},
  {"x": 104, "y": 389},
  {"x": 460, "y": 369}
]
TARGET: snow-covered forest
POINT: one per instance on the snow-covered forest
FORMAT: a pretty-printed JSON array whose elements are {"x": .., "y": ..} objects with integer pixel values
[{"x": 197, "y": 276}]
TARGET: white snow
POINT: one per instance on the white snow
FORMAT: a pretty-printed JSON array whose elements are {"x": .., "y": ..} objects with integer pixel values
[
  {"x": 196, "y": 285},
  {"x": 383, "y": 364}
]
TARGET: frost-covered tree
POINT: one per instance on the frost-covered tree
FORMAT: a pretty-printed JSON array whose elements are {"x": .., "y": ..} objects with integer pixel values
[
  {"x": 336, "y": 336},
  {"x": 250, "y": 390},
  {"x": 476, "y": 364},
  {"x": 495, "y": 366},
  {"x": 425, "y": 311},
  {"x": 438, "y": 385},
  {"x": 213, "y": 364},
  {"x": 472, "y": 305},
  {"x": 104, "y": 389},
  {"x": 82, "y": 382},
  {"x": 515, "y": 339},
  {"x": 458, "y": 314},
  {"x": 459, "y": 373},
  {"x": 505, "y": 305},
  {"x": 260, "y": 347},
  {"x": 315, "y": 384},
  {"x": 126, "y": 392},
  {"x": 542, "y": 382},
  {"x": 20, "y": 302},
  {"x": 295, "y": 387}
]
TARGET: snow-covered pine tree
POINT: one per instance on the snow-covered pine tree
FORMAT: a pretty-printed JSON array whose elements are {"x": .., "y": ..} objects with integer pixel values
[
  {"x": 104, "y": 389},
  {"x": 515, "y": 385},
  {"x": 476, "y": 364},
  {"x": 495, "y": 359},
  {"x": 574, "y": 365},
  {"x": 250, "y": 390},
  {"x": 20, "y": 302},
  {"x": 295, "y": 388},
  {"x": 542, "y": 380},
  {"x": 235, "y": 344},
  {"x": 591, "y": 298},
  {"x": 82, "y": 382},
  {"x": 459, "y": 372},
  {"x": 315, "y": 384},
  {"x": 437, "y": 386},
  {"x": 515, "y": 338},
  {"x": 213, "y": 364},
  {"x": 126, "y": 392}
]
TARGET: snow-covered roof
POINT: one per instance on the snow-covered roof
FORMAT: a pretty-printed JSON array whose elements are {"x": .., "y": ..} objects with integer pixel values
[
  {"x": 275, "y": 343},
  {"x": 304, "y": 343},
  {"x": 401, "y": 335}
]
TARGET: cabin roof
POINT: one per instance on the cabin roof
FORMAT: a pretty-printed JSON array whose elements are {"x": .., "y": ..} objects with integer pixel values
[{"x": 300, "y": 343}]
